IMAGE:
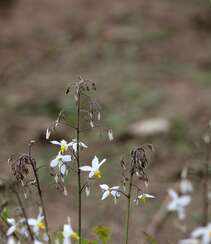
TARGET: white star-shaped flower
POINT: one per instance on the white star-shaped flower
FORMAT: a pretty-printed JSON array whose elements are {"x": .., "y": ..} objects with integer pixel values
[
  {"x": 95, "y": 168},
  {"x": 37, "y": 224},
  {"x": 73, "y": 144},
  {"x": 17, "y": 226},
  {"x": 69, "y": 234},
  {"x": 63, "y": 145},
  {"x": 60, "y": 162},
  {"x": 178, "y": 203},
  {"x": 110, "y": 191},
  {"x": 204, "y": 233},
  {"x": 142, "y": 198}
]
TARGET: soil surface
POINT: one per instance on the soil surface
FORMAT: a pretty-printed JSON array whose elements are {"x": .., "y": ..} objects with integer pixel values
[{"x": 149, "y": 59}]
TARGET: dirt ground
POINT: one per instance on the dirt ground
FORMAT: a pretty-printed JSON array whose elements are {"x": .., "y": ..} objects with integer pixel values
[{"x": 149, "y": 59}]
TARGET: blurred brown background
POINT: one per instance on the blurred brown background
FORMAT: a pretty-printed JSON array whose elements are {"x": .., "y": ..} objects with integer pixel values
[{"x": 150, "y": 59}]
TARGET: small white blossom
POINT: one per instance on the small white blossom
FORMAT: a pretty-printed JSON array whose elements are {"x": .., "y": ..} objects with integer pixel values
[
  {"x": 48, "y": 134},
  {"x": 73, "y": 144},
  {"x": 63, "y": 145},
  {"x": 60, "y": 162},
  {"x": 110, "y": 191},
  {"x": 87, "y": 190},
  {"x": 204, "y": 233},
  {"x": 37, "y": 224},
  {"x": 91, "y": 123},
  {"x": 110, "y": 135},
  {"x": 142, "y": 198},
  {"x": 69, "y": 234},
  {"x": 185, "y": 185},
  {"x": 95, "y": 168},
  {"x": 178, "y": 203}
]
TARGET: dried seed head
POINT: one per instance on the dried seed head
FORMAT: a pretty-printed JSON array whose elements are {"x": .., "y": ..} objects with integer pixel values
[
  {"x": 140, "y": 162},
  {"x": 20, "y": 167}
]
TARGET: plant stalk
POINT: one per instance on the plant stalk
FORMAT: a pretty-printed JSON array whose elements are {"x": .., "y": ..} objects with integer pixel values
[
  {"x": 78, "y": 164},
  {"x": 128, "y": 208},
  {"x": 24, "y": 215}
]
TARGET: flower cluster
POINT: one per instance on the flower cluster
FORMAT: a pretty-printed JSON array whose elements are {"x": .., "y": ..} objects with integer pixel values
[{"x": 61, "y": 160}]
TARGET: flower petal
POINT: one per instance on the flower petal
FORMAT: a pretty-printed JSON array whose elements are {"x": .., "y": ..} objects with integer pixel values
[
  {"x": 198, "y": 232},
  {"x": 86, "y": 168},
  {"x": 104, "y": 187},
  {"x": 11, "y": 230},
  {"x": 184, "y": 200},
  {"x": 67, "y": 231},
  {"x": 172, "y": 194},
  {"x": 83, "y": 145},
  {"x": 32, "y": 221},
  {"x": 54, "y": 162},
  {"x": 95, "y": 162},
  {"x": 91, "y": 174},
  {"x": 102, "y": 162},
  {"x": 115, "y": 188},
  {"x": 66, "y": 158},
  {"x": 55, "y": 143},
  {"x": 149, "y": 196},
  {"x": 105, "y": 195},
  {"x": 63, "y": 169}
]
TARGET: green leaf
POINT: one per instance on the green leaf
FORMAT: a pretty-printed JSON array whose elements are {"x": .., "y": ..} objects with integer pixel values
[
  {"x": 59, "y": 237},
  {"x": 5, "y": 214},
  {"x": 103, "y": 233}
]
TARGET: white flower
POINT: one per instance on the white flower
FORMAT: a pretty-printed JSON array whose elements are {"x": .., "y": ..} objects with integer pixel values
[
  {"x": 73, "y": 144},
  {"x": 204, "y": 233},
  {"x": 48, "y": 134},
  {"x": 95, "y": 168},
  {"x": 110, "y": 191},
  {"x": 68, "y": 233},
  {"x": 13, "y": 226},
  {"x": 37, "y": 224},
  {"x": 63, "y": 145},
  {"x": 186, "y": 186},
  {"x": 110, "y": 135},
  {"x": 178, "y": 203},
  {"x": 17, "y": 226},
  {"x": 142, "y": 197},
  {"x": 60, "y": 161}
]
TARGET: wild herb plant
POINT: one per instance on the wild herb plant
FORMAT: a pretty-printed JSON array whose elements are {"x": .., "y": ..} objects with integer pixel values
[
  {"x": 179, "y": 202},
  {"x": 25, "y": 229}
]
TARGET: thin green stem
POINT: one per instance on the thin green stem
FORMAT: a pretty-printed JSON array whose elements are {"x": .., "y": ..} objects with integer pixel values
[
  {"x": 78, "y": 164},
  {"x": 41, "y": 201},
  {"x": 128, "y": 208},
  {"x": 24, "y": 214}
]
